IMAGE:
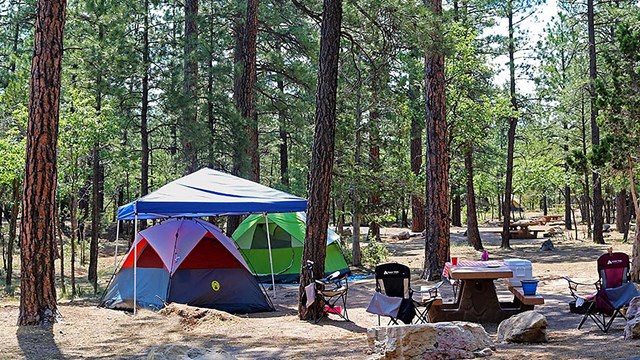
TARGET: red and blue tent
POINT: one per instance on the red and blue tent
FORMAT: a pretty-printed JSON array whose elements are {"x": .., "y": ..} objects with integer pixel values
[{"x": 187, "y": 261}]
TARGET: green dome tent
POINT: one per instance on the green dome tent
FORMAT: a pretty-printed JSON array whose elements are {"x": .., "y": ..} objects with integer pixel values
[{"x": 287, "y": 231}]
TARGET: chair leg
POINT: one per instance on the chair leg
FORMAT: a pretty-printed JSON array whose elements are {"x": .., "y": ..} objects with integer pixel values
[{"x": 586, "y": 315}]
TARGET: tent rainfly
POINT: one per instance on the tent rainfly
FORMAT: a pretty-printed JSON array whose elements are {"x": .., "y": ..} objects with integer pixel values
[
  {"x": 186, "y": 261},
  {"x": 286, "y": 233}
]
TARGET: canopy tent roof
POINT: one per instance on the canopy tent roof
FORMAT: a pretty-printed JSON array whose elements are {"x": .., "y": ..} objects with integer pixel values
[{"x": 209, "y": 192}]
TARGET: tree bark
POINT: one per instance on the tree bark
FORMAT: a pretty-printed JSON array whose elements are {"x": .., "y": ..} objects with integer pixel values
[
  {"x": 473, "y": 233},
  {"x": 356, "y": 220},
  {"x": 144, "y": 110},
  {"x": 73, "y": 214},
  {"x": 60, "y": 221},
  {"x": 456, "y": 207},
  {"x": 284, "y": 139},
  {"x": 190, "y": 85},
  {"x": 417, "y": 201},
  {"x": 95, "y": 219},
  {"x": 635, "y": 259},
  {"x": 37, "y": 229},
  {"x": 323, "y": 154},
  {"x": 511, "y": 137},
  {"x": 13, "y": 227},
  {"x": 437, "y": 154},
  {"x": 248, "y": 82},
  {"x": 621, "y": 211},
  {"x": 598, "y": 220}
]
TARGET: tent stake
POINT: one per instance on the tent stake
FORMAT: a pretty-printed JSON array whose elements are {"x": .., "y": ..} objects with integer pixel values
[
  {"x": 273, "y": 278},
  {"x": 135, "y": 264}
]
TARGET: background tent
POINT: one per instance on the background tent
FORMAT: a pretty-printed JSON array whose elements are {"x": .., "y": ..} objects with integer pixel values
[
  {"x": 287, "y": 232},
  {"x": 190, "y": 262},
  {"x": 208, "y": 192}
]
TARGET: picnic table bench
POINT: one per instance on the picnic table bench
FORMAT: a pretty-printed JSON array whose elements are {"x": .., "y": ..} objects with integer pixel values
[{"x": 478, "y": 300}]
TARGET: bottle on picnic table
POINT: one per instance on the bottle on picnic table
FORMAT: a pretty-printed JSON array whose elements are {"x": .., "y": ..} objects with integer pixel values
[{"x": 485, "y": 255}]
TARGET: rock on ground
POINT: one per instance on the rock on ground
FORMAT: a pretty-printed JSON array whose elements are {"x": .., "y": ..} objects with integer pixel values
[
  {"x": 547, "y": 245},
  {"x": 634, "y": 308},
  {"x": 445, "y": 340},
  {"x": 182, "y": 352},
  {"x": 529, "y": 326},
  {"x": 632, "y": 329}
]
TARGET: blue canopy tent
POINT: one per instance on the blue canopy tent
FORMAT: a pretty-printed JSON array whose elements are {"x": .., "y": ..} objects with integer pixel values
[{"x": 207, "y": 192}]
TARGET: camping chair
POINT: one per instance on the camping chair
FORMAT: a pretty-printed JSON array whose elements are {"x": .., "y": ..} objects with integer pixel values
[
  {"x": 332, "y": 289},
  {"x": 609, "y": 295},
  {"x": 394, "y": 296}
]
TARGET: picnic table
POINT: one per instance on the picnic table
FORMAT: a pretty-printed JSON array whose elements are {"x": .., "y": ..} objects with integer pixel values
[
  {"x": 550, "y": 218},
  {"x": 520, "y": 229},
  {"x": 478, "y": 300}
]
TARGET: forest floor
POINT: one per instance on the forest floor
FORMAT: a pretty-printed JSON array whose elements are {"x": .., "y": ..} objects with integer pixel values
[{"x": 90, "y": 332}]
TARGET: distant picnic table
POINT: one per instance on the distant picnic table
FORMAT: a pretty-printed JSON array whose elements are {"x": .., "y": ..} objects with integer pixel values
[
  {"x": 549, "y": 218},
  {"x": 520, "y": 229}
]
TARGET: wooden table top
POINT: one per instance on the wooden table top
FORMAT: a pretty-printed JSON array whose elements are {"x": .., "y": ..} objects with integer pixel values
[{"x": 479, "y": 273}]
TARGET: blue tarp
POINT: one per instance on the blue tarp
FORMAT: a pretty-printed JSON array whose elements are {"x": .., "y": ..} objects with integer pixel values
[{"x": 208, "y": 192}]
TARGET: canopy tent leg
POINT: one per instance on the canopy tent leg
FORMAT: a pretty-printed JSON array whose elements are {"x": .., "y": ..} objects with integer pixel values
[
  {"x": 273, "y": 277},
  {"x": 115, "y": 254},
  {"x": 135, "y": 264}
]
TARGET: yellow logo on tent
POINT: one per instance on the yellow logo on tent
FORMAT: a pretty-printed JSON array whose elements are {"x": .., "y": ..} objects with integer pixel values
[{"x": 215, "y": 285}]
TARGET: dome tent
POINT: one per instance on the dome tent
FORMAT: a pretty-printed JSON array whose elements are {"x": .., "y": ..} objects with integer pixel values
[
  {"x": 287, "y": 233},
  {"x": 186, "y": 261}
]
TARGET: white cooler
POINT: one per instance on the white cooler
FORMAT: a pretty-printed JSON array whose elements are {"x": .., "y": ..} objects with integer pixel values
[{"x": 521, "y": 270}]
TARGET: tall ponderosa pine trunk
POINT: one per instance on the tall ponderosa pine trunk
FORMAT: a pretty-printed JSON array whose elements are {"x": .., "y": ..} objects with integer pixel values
[
  {"x": 595, "y": 130},
  {"x": 437, "y": 155},
  {"x": 356, "y": 253},
  {"x": 417, "y": 201},
  {"x": 473, "y": 233},
  {"x": 323, "y": 154},
  {"x": 621, "y": 211},
  {"x": 190, "y": 86},
  {"x": 13, "y": 227},
  {"x": 144, "y": 109},
  {"x": 240, "y": 145},
  {"x": 284, "y": 138},
  {"x": 456, "y": 206},
  {"x": 374, "y": 145},
  {"x": 37, "y": 229},
  {"x": 95, "y": 218},
  {"x": 248, "y": 83},
  {"x": 511, "y": 136},
  {"x": 635, "y": 258},
  {"x": 60, "y": 221}
]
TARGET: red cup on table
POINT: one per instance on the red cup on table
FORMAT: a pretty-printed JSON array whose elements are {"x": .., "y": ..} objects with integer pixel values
[{"x": 454, "y": 260}]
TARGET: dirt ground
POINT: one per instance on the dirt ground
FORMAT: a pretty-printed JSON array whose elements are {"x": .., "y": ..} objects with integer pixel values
[{"x": 90, "y": 332}]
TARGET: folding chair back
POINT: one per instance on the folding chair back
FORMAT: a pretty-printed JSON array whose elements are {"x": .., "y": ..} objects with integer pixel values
[
  {"x": 613, "y": 269},
  {"x": 613, "y": 292},
  {"x": 393, "y": 279}
]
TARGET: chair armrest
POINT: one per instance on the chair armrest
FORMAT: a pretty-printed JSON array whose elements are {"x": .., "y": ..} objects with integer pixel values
[{"x": 578, "y": 283}]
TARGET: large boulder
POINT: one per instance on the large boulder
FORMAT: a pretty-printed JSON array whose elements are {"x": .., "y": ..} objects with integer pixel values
[
  {"x": 634, "y": 308},
  {"x": 632, "y": 329},
  {"x": 445, "y": 340},
  {"x": 529, "y": 326}
]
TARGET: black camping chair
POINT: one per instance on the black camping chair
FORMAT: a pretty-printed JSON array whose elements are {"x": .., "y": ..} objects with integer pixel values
[
  {"x": 604, "y": 300},
  {"x": 333, "y": 291},
  {"x": 394, "y": 280}
]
